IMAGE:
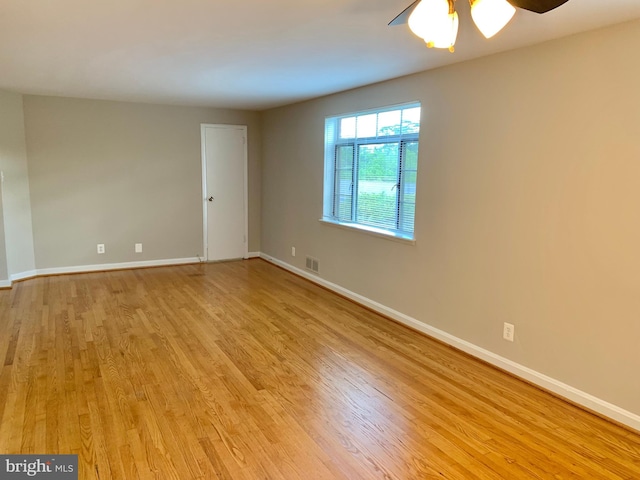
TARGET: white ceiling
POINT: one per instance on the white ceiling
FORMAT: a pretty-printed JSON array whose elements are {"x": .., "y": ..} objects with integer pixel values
[{"x": 249, "y": 54}]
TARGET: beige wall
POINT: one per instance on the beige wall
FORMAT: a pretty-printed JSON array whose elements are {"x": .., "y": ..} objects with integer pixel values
[
  {"x": 527, "y": 207},
  {"x": 123, "y": 173},
  {"x": 18, "y": 234}
]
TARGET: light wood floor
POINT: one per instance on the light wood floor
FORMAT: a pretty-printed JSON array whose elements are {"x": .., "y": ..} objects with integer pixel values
[{"x": 243, "y": 371}]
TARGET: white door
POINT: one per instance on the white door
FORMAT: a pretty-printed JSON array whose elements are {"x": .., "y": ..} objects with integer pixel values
[{"x": 224, "y": 184}]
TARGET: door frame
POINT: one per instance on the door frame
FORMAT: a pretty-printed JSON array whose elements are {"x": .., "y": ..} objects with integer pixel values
[{"x": 205, "y": 234}]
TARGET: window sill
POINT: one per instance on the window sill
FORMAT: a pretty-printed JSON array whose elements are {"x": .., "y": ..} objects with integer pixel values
[{"x": 376, "y": 232}]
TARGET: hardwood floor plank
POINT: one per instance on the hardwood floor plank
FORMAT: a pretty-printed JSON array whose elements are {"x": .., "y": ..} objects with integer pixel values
[{"x": 240, "y": 370}]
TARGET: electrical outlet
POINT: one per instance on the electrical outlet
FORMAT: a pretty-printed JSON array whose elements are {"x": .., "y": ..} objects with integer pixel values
[
  {"x": 293, "y": 251},
  {"x": 101, "y": 249},
  {"x": 138, "y": 248},
  {"x": 508, "y": 331}
]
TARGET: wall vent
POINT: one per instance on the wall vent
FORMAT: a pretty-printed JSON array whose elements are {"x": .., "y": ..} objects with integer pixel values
[{"x": 312, "y": 264}]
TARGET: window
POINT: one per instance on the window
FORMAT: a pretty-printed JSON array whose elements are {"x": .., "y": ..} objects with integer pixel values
[{"x": 371, "y": 163}]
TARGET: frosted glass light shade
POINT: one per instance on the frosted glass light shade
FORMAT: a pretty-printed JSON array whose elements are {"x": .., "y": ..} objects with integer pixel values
[
  {"x": 431, "y": 21},
  {"x": 446, "y": 33},
  {"x": 490, "y": 16},
  {"x": 426, "y": 16}
]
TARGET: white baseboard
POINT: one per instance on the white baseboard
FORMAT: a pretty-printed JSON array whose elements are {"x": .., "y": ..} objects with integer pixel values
[
  {"x": 562, "y": 389},
  {"x": 116, "y": 266},
  {"x": 104, "y": 267},
  {"x": 23, "y": 275},
  {"x": 97, "y": 268}
]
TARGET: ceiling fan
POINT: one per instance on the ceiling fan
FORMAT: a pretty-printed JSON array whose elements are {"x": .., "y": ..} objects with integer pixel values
[{"x": 436, "y": 21}]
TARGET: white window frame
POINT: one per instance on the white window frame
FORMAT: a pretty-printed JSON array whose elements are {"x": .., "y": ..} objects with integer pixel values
[{"x": 333, "y": 142}]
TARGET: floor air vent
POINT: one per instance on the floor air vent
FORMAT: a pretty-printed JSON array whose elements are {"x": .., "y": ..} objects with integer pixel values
[{"x": 312, "y": 264}]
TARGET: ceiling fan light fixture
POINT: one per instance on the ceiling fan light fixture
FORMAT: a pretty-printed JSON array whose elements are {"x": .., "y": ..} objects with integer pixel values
[
  {"x": 436, "y": 22},
  {"x": 490, "y": 16},
  {"x": 447, "y": 33}
]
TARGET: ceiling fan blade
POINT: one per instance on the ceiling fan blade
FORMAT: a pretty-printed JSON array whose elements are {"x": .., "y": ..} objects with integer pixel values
[
  {"x": 404, "y": 16},
  {"x": 538, "y": 6}
]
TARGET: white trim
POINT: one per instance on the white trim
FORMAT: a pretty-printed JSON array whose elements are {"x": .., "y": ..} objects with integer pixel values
[
  {"x": 116, "y": 266},
  {"x": 253, "y": 255},
  {"x": 376, "y": 232},
  {"x": 205, "y": 225},
  {"x": 246, "y": 191},
  {"x": 97, "y": 268},
  {"x": 562, "y": 389},
  {"x": 23, "y": 275},
  {"x": 205, "y": 240}
]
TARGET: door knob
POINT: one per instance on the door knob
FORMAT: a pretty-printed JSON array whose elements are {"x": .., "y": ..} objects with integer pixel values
[{"x": 210, "y": 199}]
